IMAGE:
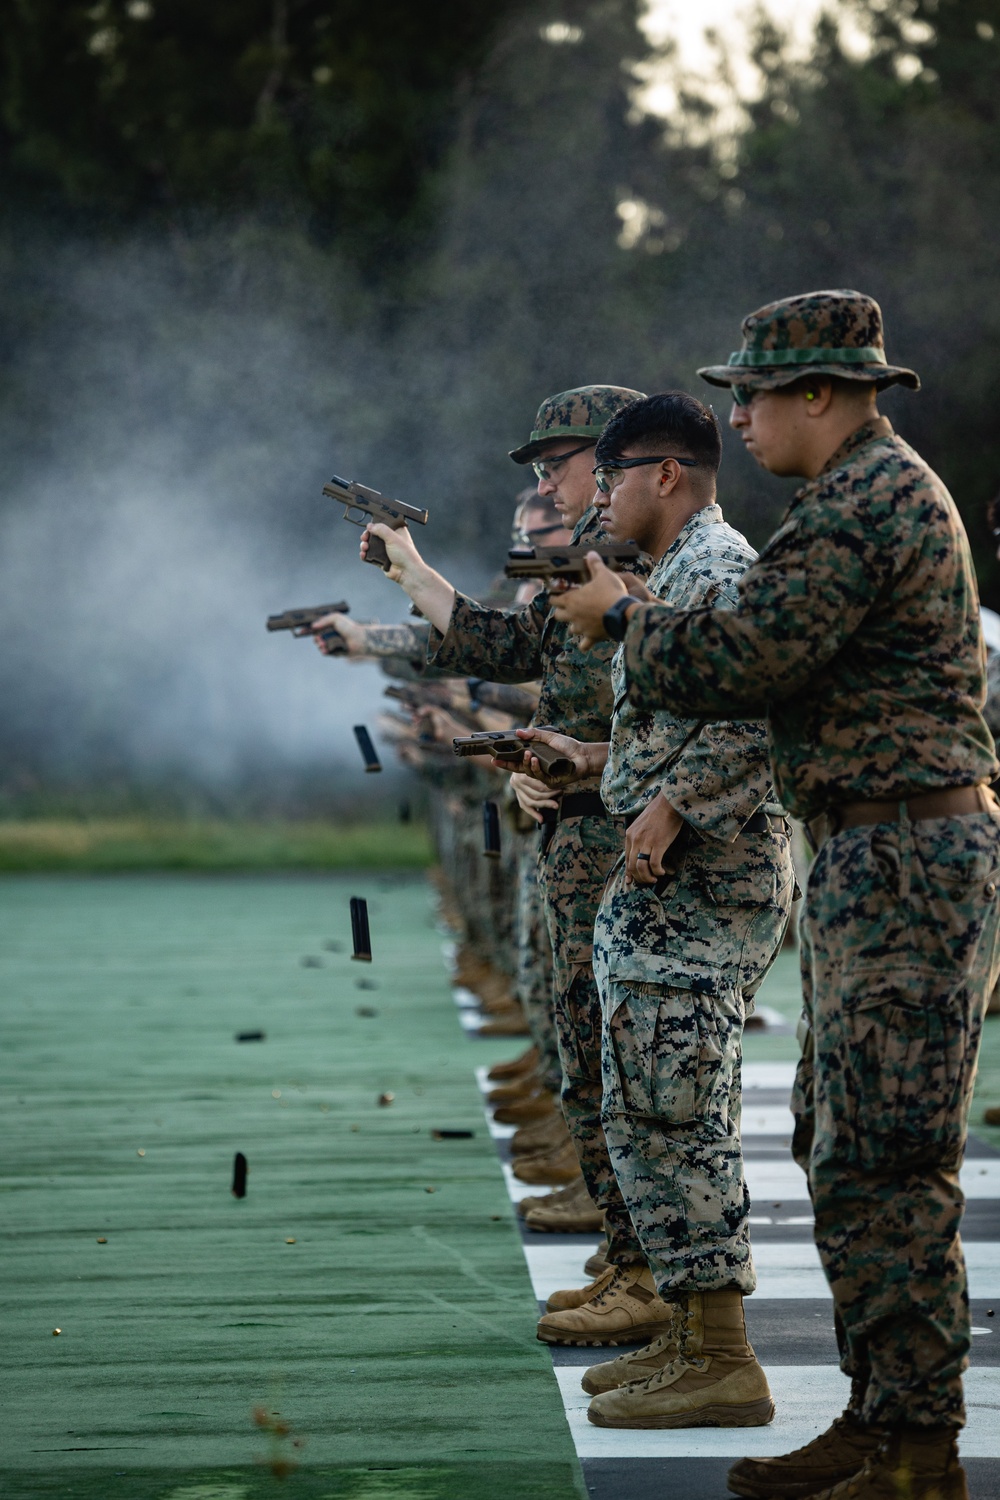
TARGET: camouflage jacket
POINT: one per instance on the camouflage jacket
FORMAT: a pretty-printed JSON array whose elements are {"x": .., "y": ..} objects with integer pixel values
[
  {"x": 526, "y": 644},
  {"x": 991, "y": 708},
  {"x": 856, "y": 632},
  {"x": 716, "y": 775}
]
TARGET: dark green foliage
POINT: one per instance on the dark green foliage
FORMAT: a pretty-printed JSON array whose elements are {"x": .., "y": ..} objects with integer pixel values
[
  {"x": 226, "y": 279},
  {"x": 332, "y": 109}
]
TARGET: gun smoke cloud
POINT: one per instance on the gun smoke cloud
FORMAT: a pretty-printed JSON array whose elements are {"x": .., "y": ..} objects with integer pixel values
[{"x": 165, "y": 500}]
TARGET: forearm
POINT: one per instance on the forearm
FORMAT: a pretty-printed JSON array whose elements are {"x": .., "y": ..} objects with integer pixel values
[
  {"x": 432, "y": 594},
  {"x": 502, "y": 645},
  {"x": 595, "y": 758},
  {"x": 703, "y": 663}
]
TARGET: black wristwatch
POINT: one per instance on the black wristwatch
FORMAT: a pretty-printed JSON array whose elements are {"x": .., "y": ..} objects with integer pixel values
[{"x": 614, "y": 621}]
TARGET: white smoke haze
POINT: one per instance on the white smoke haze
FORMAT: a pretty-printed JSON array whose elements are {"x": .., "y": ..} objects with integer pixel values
[{"x": 174, "y": 502}]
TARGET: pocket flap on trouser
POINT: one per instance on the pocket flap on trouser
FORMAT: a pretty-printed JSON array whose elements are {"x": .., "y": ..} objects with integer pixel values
[{"x": 678, "y": 973}]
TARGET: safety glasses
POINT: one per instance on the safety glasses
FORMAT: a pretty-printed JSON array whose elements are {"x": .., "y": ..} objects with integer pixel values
[
  {"x": 608, "y": 475},
  {"x": 543, "y": 467}
]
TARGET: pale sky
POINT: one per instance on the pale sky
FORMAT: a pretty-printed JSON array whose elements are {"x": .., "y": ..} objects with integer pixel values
[{"x": 687, "y": 21}]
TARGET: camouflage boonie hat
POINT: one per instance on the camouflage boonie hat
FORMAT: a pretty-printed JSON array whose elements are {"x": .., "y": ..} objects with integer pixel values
[
  {"x": 581, "y": 413},
  {"x": 821, "y": 333}
]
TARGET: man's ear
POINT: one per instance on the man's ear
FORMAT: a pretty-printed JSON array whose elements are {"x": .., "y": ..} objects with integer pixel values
[{"x": 817, "y": 392}]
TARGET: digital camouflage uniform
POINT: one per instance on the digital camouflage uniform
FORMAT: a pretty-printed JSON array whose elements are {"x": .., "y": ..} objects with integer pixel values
[
  {"x": 858, "y": 631},
  {"x": 577, "y": 853},
  {"x": 535, "y": 975},
  {"x": 522, "y": 645},
  {"x": 677, "y": 964}
]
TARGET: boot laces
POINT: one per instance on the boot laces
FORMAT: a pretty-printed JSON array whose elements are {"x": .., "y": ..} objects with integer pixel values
[
  {"x": 616, "y": 1284},
  {"x": 830, "y": 1441}
]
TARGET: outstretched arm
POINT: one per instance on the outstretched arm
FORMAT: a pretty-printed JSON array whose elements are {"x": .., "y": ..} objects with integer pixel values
[{"x": 432, "y": 594}]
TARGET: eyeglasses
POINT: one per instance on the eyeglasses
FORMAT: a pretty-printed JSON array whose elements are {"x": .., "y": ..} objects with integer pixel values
[
  {"x": 543, "y": 466},
  {"x": 530, "y": 537},
  {"x": 743, "y": 394},
  {"x": 608, "y": 475}
]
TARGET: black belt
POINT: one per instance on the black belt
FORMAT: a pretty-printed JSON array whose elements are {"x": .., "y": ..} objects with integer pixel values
[
  {"x": 571, "y": 805},
  {"x": 580, "y": 805}
]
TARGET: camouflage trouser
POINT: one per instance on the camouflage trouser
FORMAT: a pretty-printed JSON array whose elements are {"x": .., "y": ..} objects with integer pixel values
[
  {"x": 677, "y": 972},
  {"x": 572, "y": 873},
  {"x": 898, "y": 958},
  {"x": 534, "y": 962}
]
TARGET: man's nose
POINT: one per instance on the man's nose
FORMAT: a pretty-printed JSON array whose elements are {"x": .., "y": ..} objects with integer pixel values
[
  {"x": 547, "y": 486},
  {"x": 739, "y": 416}
]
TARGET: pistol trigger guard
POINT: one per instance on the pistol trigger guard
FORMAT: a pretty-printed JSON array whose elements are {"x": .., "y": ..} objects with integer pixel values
[{"x": 348, "y": 517}]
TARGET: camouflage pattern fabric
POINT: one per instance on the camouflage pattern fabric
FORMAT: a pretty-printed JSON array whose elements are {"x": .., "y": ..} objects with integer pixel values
[
  {"x": 526, "y": 644},
  {"x": 572, "y": 872},
  {"x": 715, "y": 775},
  {"x": 857, "y": 631},
  {"x": 523, "y": 645},
  {"x": 899, "y": 952},
  {"x": 677, "y": 966},
  {"x": 535, "y": 977},
  {"x": 581, "y": 413},
  {"x": 819, "y": 333},
  {"x": 991, "y": 708}
]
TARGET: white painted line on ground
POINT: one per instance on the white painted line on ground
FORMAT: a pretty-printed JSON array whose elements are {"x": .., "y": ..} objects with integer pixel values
[
  {"x": 768, "y": 1075},
  {"x": 807, "y": 1398},
  {"x": 773, "y": 1181},
  {"x": 518, "y": 1190},
  {"x": 464, "y": 999},
  {"x": 784, "y": 1271}
]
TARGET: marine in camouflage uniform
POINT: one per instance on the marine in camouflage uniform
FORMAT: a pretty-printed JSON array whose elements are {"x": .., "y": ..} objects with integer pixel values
[
  {"x": 858, "y": 631},
  {"x": 581, "y": 844},
  {"x": 678, "y": 964}
]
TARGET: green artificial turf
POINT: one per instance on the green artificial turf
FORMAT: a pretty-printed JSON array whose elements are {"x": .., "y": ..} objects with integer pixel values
[
  {"x": 395, "y": 1335},
  {"x": 101, "y": 845}
]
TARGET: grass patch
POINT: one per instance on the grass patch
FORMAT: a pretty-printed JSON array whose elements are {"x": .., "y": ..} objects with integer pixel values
[{"x": 34, "y": 845}]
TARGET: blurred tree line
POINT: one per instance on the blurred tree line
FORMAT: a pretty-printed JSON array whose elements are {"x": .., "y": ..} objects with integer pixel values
[{"x": 278, "y": 237}]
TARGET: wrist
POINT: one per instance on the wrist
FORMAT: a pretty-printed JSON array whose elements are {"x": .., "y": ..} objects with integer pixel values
[{"x": 616, "y": 617}]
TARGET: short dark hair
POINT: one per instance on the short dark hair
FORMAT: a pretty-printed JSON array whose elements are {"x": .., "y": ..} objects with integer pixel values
[{"x": 673, "y": 421}]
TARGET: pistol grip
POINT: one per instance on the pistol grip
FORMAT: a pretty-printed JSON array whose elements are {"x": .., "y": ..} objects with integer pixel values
[{"x": 377, "y": 553}]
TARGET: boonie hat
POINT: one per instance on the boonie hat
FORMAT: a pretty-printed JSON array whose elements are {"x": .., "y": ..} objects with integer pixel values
[
  {"x": 820, "y": 333},
  {"x": 581, "y": 413}
]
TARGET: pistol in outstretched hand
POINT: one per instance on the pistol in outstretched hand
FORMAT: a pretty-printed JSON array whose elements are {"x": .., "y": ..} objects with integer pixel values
[
  {"x": 373, "y": 507},
  {"x": 568, "y": 564},
  {"x": 301, "y": 621},
  {"x": 504, "y": 745}
]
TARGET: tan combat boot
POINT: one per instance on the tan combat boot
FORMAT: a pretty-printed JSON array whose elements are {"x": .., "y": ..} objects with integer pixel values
[
  {"x": 552, "y": 1169},
  {"x": 836, "y": 1454},
  {"x": 547, "y": 1200},
  {"x": 911, "y": 1463},
  {"x": 509, "y": 1022},
  {"x": 623, "y": 1308},
  {"x": 534, "y": 1106},
  {"x": 577, "y": 1213},
  {"x": 597, "y": 1264},
  {"x": 716, "y": 1381},
  {"x": 510, "y": 1093},
  {"x": 541, "y": 1135},
  {"x": 576, "y": 1296},
  {"x": 518, "y": 1067},
  {"x": 639, "y": 1365}
]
